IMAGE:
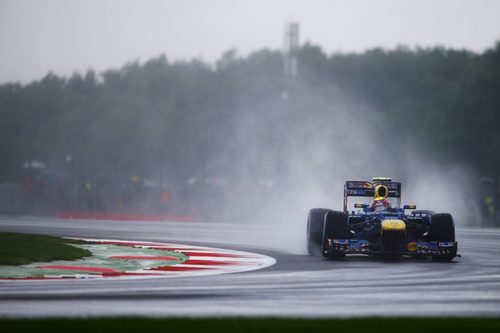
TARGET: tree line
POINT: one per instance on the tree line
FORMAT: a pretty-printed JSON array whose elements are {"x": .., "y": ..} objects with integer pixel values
[{"x": 176, "y": 120}]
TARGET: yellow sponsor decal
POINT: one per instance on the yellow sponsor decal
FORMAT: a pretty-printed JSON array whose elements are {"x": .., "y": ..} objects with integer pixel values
[
  {"x": 396, "y": 225},
  {"x": 411, "y": 246}
]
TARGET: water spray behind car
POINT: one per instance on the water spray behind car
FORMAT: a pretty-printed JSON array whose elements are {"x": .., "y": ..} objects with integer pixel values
[{"x": 296, "y": 151}]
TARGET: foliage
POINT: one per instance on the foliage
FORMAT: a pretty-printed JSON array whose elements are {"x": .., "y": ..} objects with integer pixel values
[{"x": 174, "y": 120}]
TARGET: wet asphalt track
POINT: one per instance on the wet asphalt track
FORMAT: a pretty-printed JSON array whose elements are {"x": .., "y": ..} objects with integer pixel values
[{"x": 297, "y": 285}]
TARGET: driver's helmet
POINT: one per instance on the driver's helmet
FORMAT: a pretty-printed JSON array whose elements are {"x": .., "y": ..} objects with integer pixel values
[{"x": 380, "y": 202}]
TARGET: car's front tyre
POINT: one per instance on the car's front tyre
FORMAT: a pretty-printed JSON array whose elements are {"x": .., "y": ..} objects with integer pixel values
[
  {"x": 442, "y": 229},
  {"x": 335, "y": 227}
]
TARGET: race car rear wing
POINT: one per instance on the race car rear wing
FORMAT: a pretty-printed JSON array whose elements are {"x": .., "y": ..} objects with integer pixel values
[{"x": 355, "y": 188}]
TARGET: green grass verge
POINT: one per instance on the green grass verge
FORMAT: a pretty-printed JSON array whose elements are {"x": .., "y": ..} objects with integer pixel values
[
  {"x": 261, "y": 325},
  {"x": 21, "y": 249}
]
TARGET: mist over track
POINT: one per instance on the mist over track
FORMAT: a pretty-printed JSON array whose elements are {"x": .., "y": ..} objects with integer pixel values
[{"x": 297, "y": 285}]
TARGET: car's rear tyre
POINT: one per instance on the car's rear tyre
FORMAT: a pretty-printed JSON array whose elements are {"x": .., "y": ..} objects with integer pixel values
[
  {"x": 315, "y": 221},
  {"x": 335, "y": 227},
  {"x": 442, "y": 229}
]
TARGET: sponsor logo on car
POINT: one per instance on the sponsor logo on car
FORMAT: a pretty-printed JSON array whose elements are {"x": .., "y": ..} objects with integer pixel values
[{"x": 411, "y": 247}]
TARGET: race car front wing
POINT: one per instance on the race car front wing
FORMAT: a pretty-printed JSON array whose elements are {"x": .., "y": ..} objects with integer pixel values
[{"x": 361, "y": 246}]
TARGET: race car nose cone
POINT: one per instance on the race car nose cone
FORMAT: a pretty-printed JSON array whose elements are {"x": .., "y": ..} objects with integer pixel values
[{"x": 393, "y": 225}]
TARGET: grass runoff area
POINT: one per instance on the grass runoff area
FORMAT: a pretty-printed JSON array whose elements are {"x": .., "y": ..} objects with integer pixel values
[
  {"x": 261, "y": 325},
  {"x": 22, "y": 249}
]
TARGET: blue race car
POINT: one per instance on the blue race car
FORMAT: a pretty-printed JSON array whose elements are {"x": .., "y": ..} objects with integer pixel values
[{"x": 382, "y": 228}]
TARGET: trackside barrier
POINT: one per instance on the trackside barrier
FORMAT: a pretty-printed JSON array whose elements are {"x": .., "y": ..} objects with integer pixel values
[{"x": 123, "y": 217}]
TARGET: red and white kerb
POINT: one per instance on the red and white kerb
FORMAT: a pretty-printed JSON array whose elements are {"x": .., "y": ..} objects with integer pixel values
[{"x": 196, "y": 261}]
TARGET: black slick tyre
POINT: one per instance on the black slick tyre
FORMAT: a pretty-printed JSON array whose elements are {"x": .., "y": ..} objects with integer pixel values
[
  {"x": 314, "y": 233},
  {"x": 442, "y": 229},
  {"x": 335, "y": 227}
]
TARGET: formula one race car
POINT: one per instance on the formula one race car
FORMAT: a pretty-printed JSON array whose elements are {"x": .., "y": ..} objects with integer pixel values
[{"x": 382, "y": 228}]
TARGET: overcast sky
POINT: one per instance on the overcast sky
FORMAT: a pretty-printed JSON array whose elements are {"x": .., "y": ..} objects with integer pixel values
[{"x": 64, "y": 36}]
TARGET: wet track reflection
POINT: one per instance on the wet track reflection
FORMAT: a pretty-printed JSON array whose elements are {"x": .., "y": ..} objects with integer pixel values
[{"x": 297, "y": 285}]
